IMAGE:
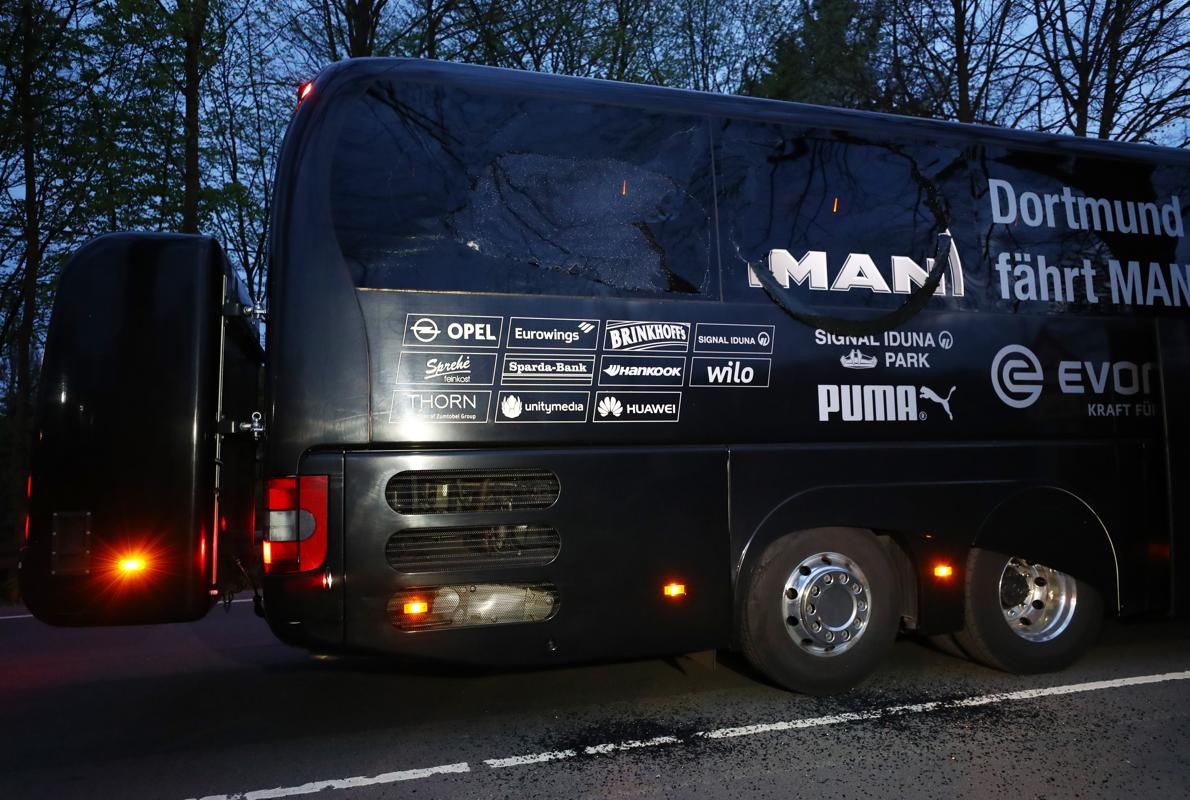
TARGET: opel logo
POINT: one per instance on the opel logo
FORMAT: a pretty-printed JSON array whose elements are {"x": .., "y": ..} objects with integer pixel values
[{"x": 425, "y": 329}]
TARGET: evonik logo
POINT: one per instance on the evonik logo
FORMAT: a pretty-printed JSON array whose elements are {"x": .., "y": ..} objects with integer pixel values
[{"x": 1018, "y": 378}]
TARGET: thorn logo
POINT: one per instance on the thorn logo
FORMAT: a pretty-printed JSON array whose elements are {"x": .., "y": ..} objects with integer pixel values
[
  {"x": 425, "y": 329},
  {"x": 1017, "y": 376},
  {"x": 586, "y": 327},
  {"x": 610, "y": 406},
  {"x": 511, "y": 406}
]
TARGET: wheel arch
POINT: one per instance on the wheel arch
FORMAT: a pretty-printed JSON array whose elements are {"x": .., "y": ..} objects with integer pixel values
[
  {"x": 823, "y": 507},
  {"x": 1056, "y": 527}
]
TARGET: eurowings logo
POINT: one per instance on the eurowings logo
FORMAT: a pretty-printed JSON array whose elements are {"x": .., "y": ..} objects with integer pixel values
[{"x": 859, "y": 271}]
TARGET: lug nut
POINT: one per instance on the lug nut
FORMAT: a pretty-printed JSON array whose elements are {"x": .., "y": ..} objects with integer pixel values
[
  {"x": 816, "y": 627},
  {"x": 846, "y": 635},
  {"x": 843, "y": 579},
  {"x": 810, "y": 608},
  {"x": 815, "y": 591},
  {"x": 828, "y": 580},
  {"x": 830, "y": 637},
  {"x": 855, "y": 587}
]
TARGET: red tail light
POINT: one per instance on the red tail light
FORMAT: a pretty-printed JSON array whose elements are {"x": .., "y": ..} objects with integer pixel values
[
  {"x": 28, "y": 503},
  {"x": 296, "y": 537}
]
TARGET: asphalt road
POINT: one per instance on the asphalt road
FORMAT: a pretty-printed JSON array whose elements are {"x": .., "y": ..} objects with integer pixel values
[{"x": 219, "y": 708}]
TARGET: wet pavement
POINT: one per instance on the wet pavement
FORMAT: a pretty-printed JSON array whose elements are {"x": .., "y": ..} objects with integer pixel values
[{"x": 220, "y": 708}]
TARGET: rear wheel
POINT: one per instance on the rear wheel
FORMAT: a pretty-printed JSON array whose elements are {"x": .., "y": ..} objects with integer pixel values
[
  {"x": 1026, "y": 617},
  {"x": 819, "y": 610}
]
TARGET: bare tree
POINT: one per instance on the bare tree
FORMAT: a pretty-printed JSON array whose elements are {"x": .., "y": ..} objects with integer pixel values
[
  {"x": 1118, "y": 69},
  {"x": 963, "y": 59}
]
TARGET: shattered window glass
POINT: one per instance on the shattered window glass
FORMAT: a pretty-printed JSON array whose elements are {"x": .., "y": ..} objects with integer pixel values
[{"x": 442, "y": 188}]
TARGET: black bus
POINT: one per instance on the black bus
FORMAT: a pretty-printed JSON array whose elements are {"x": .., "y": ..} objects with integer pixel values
[{"x": 561, "y": 369}]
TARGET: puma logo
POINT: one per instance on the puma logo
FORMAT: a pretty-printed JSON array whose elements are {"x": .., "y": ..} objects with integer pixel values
[{"x": 929, "y": 394}]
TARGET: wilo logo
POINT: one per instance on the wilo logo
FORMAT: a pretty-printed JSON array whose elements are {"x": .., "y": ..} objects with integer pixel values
[{"x": 877, "y": 403}]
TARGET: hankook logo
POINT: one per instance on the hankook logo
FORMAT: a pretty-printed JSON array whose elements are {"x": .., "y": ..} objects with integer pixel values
[{"x": 1017, "y": 376}]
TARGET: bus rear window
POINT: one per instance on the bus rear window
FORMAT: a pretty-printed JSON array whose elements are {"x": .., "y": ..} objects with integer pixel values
[{"x": 436, "y": 187}]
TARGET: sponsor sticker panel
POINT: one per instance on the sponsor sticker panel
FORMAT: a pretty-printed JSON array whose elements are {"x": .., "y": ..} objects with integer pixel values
[
  {"x": 452, "y": 330},
  {"x": 552, "y": 333},
  {"x": 434, "y": 405},
  {"x": 556, "y": 407},
  {"x": 626, "y": 336},
  {"x": 714, "y": 337},
  {"x": 622, "y": 406},
  {"x": 446, "y": 369},
  {"x": 730, "y": 372},
  {"x": 625, "y": 370},
  {"x": 524, "y": 370}
]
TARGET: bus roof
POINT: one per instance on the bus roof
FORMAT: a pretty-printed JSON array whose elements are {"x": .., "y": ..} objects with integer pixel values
[{"x": 735, "y": 106}]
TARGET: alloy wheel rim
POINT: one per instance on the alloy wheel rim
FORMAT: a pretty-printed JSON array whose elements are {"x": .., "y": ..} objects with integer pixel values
[
  {"x": 827, "y": 604},
  {"x": 1038, "y": 603}
]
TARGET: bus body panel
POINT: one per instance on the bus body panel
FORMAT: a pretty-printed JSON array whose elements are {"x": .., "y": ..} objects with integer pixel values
[
  {"x": 666, "y": 522},
  {"x": 1005, "y": 415},
  {"x": 126, "y": 513}
]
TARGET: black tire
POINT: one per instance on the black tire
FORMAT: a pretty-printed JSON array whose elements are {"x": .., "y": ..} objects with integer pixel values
[
  {"x": 766, "y": 636},
  {"x": 988, "y": 637}
]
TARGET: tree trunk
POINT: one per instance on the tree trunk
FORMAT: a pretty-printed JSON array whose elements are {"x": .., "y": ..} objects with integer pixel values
[
  {"x": 22, "y": 398},
  {"x": 194, "y": 22}
]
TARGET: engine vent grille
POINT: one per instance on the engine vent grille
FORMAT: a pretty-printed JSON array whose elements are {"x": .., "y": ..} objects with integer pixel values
[
  {"x": 479, "y": 547},
  {"x": 463, "y": 491}
]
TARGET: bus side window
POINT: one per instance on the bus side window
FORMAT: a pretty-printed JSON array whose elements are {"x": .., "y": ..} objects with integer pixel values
[
  {"x": 437, "y": 187},
  {"x": 809, "y": 191}
]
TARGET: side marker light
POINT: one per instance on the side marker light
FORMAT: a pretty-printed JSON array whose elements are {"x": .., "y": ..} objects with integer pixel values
[
  {"x": 415, "y": 607},
  {"x": 132, "y": 564},
  {"x": 674, "y": 590},
  {"x": 943, "y": 571}
]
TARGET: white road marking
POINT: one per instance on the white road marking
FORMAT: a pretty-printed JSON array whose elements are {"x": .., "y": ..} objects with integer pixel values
[
  {"x": 535, "y": 758},
  {"x": 718, "y": 733},
  {"x": 343, "y": 783},
  {"x": 604, "y": 749},
  {"x": 966, "y": 702}
]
